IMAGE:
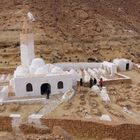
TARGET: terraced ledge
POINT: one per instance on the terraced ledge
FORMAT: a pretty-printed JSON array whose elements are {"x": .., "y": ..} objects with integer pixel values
[{"x": 95, "y": 128}]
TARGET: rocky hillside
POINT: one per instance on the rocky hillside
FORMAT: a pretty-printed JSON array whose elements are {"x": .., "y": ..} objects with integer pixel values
[{"x": 72, "y": 30}]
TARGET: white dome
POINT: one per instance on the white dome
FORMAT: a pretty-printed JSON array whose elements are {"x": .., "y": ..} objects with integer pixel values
[
  {"x": 21, "y": 71},
  {"x": 32, "y": 69},
  {"x": 37, "y": 62},
  {"x": 57, "y": 70},
  {"x": 43, "y": 70}
]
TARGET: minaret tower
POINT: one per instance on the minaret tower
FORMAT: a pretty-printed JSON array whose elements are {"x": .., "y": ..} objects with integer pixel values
[{"x": 26, "y": 43}]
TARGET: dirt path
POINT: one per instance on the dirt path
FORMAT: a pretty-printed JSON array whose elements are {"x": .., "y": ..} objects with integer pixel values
[{"x": 50, "y": 105}]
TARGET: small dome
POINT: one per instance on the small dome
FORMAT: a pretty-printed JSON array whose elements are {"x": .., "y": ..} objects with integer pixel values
[
  {"x": 37, "y": 62},
  {"x": 32, "y": 69},
  {"x": 21, "y": 71},
  {"x": 57, "y": 70},
  {"x": 43, "y": 70}
]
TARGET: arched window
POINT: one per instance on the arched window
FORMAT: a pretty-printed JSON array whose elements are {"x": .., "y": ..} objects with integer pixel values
[
  {"x": 29, "y": 87},
  {"x": 60, "y": 85}
]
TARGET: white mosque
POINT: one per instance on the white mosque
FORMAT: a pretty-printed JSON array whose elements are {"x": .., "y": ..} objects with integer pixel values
[{"x": 33, "y": 77}]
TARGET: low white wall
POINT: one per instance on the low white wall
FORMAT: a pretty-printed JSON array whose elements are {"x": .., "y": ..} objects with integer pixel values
[{"x": 81, "y": 65}]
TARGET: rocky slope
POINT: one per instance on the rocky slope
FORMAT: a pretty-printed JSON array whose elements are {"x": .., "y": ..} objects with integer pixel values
[{"x": 72, "y": 30}]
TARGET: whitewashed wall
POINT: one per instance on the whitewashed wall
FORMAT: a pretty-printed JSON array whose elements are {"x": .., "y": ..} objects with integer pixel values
[
  {"x": 37, "y": 81},
  {"x": 81, "y": 65}
]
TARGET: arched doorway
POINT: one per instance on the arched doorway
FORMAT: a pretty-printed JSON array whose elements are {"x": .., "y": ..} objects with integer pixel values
[
  {"x": 45, "y": 88},
  {"x": 127, "y": 66}
]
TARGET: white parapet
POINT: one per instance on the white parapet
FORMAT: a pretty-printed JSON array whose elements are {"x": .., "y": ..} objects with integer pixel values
[
  {"x": 35, "y": 118},
  {"x": 16, "y": 120}
]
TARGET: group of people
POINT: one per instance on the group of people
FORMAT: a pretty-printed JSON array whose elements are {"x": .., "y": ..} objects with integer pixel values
[{"x": 93, "y": 82}]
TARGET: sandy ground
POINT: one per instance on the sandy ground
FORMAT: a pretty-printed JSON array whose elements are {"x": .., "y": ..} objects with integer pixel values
[
  {"x": 23, "y": 110},
  {"x": 11, "y": 136},
  {"x": 81, "y": 138},
  {"x": 86, "y": 103}
]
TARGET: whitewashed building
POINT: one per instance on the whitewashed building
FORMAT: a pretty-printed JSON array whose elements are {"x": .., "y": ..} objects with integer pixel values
[
  {"x": 33, "y": 77},
  {"x": 123, "y": 64},
  {"x": 37, "y": 85}
]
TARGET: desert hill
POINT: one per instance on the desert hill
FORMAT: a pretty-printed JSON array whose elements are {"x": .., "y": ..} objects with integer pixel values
[{"x": 72, "y": 30}]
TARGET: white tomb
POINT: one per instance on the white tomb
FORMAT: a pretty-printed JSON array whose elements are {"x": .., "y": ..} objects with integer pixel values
[
  {"x": 16, "y": 120},
  {"x": 123, "y": 64}
]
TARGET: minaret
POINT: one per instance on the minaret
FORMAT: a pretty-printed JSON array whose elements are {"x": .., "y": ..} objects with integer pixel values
[{"x": 26, "y": 44}]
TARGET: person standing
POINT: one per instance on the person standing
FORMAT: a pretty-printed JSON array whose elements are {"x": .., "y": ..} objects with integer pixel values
[
  {"x": 101, "y": 83},
  {"x": 81, "y": 82},
  {"x": 94, "y": 81},
  {"x": 48, "y": 94},
  {"x": 91, "y": 83}
]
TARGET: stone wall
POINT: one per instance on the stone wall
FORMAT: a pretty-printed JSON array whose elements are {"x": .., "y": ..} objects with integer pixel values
[
  {"x": 80, "y": 65},
  {"x": 95, "y": 128},
  {"x": 5, "y": 123},
  {"x": 27, "y": 128}
]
